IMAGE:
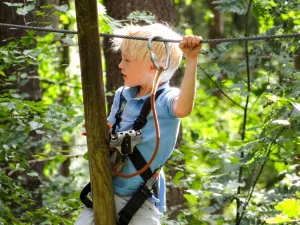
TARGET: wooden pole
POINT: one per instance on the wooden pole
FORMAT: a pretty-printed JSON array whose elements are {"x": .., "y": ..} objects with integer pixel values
[{"x": 94, "y": 109}]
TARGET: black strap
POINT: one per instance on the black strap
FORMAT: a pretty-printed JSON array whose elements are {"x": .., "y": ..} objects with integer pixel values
[
  {"x": 138, "y": 198},
  {"x": 139, "y": 162},
  {"x": 133, "y": 205},
  {"x": 83, "y": 196},
  {"x": 119, "y": 112},
  {"x": 143, "y": 193},
  {"x": 141, "y": 120}
]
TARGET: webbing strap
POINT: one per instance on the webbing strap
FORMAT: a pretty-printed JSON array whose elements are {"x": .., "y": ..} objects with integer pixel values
[
  {"x": 122, "y": 103},
  {"x": 139, "y": 162},
  {"x": 133, "y": 205},
  {"x": 141, "y": 120},
  {"x": 83, "y": 196},
  {"x": 143, "y": 193}
]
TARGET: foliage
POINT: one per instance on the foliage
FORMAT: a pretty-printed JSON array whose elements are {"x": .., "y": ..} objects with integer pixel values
[
  {"x": 258, "y": 166},
  {"x": 224, "y": 164},
  {"x": 38, "y": 136},
  {"x": 33, "y": 133}
]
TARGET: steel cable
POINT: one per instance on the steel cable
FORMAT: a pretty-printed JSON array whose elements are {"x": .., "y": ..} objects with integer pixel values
[{"x": 251, "y": 38}]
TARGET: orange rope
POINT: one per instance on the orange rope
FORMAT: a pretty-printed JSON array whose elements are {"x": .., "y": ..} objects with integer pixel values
[{"x": 154, "y": 88}]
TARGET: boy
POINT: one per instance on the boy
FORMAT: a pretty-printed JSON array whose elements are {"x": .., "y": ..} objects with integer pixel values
[{"x": 172, "y": 104}]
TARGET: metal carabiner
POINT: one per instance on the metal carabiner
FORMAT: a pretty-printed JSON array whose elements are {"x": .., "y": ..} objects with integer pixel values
[{"x": 153, "y": 56}]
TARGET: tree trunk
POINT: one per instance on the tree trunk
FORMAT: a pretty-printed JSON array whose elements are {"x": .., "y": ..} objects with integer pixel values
[
  {"x": 215, "y": 31},
  {"x": 216, "y": 26},
  {"x": 94, "y": 110},
  {"x": 64, "y": 63}
]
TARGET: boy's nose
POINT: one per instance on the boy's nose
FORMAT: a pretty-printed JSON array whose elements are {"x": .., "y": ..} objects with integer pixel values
[{"x": 120, "y": 65}]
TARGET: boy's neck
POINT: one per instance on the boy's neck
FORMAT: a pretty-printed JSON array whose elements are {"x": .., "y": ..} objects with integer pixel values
[{"x": 145, "y": 90}]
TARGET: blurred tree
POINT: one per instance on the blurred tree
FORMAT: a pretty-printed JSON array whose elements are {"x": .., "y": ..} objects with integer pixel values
[
  {"x": 31, "y": 87},
  {"x": 216, "y": 23}
]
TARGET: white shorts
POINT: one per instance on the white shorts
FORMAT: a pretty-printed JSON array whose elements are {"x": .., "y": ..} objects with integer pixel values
[{"x": 148, "y": 214}]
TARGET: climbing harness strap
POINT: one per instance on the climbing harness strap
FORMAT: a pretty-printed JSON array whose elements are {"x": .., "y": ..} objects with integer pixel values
[
  {"x": 83, "y": 196},
  {"x": 136, "y": 158},
  {"x": 141, "y": 120},
  {"x": 122, "y": 104},
  {"x": 141, "y": 195}
]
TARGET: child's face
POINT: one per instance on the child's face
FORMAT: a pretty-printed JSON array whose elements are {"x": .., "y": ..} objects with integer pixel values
[{"x": 135, "y": 73}]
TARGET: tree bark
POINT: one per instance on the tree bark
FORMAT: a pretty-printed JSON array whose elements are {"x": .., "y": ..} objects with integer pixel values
[
  {"x": 216, "y": 26},
  {"x": 64, "y": 168},
  {"x": 94, "y": 109}
]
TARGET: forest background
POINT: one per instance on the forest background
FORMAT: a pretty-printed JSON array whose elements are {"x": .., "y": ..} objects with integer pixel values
[{"x": 237, "y": 158}]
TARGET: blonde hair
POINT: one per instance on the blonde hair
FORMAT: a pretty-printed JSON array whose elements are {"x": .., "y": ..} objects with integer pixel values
[{"x": 139, "y": 49}]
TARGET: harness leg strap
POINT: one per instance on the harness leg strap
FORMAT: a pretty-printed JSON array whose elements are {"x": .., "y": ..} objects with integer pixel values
[
  {"x": 83, "y": 196},
  {"x": 133, "y": 205}
]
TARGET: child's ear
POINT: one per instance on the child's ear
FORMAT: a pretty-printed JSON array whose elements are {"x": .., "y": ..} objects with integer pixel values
[{"x": 152, "y": 68}]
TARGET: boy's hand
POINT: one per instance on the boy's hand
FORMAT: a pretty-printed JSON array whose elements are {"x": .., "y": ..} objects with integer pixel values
[
  {"x": 109, "y": 125},
  {"x": 83, "y": 133},
  {"x": 190, "y": 46}
]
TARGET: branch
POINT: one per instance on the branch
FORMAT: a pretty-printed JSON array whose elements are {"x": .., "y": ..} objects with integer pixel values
[
  {"x": 260, "y": 171},
  {"x": 219, "y": 88},
  {"x": 42, "y": 160},
  {"x": 243, "y": 132}
]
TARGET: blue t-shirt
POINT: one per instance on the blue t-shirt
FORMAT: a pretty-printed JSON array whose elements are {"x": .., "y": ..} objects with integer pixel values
[{"x": 169, "y": 127}]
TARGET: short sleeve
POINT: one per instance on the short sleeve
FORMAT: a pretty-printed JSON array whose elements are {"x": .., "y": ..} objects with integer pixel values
[
  {"x": 115, "y": 106},
  {"x": 169, "y": 98}
]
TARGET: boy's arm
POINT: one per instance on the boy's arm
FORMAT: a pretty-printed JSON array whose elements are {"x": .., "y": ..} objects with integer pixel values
[{"x": 184, "y": 103}]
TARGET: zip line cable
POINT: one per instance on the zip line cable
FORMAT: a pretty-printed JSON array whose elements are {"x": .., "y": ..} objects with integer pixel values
[{"x": 251, "y": 38}]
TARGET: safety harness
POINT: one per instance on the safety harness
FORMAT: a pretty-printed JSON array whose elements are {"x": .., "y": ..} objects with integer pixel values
[{"x": 149, "y": 187}]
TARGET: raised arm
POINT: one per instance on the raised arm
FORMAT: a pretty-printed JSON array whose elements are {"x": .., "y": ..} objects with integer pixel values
[{"x": 184, "y": 103}]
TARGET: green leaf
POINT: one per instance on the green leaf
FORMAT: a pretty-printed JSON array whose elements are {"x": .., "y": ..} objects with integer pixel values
[
  {"x": 24, "y": 11},
  {"x": 35, "y": 125},
  {"x": 68, "y": 41},
  {"x": 13, "y": 4},
  {"x": 278, "y": 219},
  {"x": 15, "y": 96},
  {"x": 281, "y": 122},
  {"x": 86, "y": 156},
  {"x": 191, "y": 198},
  {"x": 39, "y": 13},
  {"x": 60, "y": 158},
  {"x": 234, "y": 184},
  {"x": 50, "y": 6},
  {"x": 177, "y": 177},
  {"x": 33, "y": 174},
  {"x": 289, "y": 207},
  {"x": 62, "y": 8},
  {"x": 296, "y": 105}
]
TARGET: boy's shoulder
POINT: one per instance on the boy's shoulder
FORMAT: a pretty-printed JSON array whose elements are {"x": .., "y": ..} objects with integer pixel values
[
  {"x": 129, "y": 92},
  {"x": 170, "y": 91}
]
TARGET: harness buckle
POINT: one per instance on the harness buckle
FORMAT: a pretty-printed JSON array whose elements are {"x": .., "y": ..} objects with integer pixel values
[
  {"x": 125, "y": 141},
  {"x": 146, "y": 191}
]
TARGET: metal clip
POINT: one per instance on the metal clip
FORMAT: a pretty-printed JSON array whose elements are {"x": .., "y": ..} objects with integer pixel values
[{"x": 153, "y": 56}]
